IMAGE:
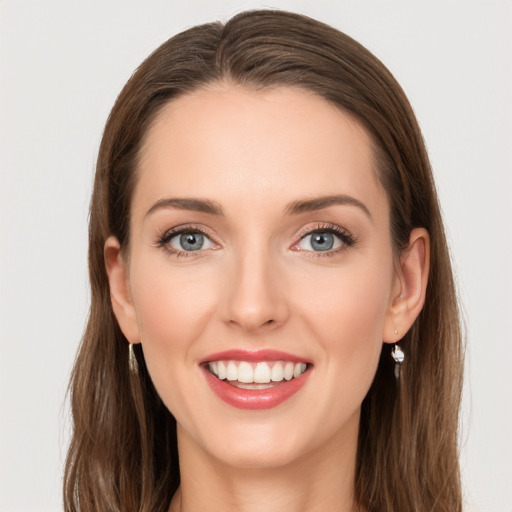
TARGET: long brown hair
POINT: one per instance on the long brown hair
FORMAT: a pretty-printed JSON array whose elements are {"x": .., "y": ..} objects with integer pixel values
[{"x": 123, "y": 454}]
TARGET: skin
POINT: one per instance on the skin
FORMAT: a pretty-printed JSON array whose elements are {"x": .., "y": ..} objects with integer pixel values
[{"x": 259, "y": 284}]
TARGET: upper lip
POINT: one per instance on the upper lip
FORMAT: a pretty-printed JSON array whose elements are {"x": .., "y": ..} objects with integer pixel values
[{"x": 254, "y": 356}]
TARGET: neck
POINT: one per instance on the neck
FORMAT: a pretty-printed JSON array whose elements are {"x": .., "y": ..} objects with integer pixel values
[{"x": 318, "y": 481}]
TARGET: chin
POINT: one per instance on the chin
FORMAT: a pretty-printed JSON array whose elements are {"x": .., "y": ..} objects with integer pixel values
[
  {"x": 260, "y": 455},
  {"x": 263, "y": 444}
]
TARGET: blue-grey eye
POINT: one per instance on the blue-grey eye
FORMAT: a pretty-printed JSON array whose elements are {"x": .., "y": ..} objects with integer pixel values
[
  {"x": 320, "y": 242},
  {"x": 191, "y": 241}
]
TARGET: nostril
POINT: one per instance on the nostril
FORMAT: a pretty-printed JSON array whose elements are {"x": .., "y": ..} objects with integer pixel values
[{"x": 254, "y": 324}]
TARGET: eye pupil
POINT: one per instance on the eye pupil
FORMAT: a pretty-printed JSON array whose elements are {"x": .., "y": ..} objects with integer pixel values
[
  {"x": 322, "y": 241},
  {"x": 191, "y": 241}
]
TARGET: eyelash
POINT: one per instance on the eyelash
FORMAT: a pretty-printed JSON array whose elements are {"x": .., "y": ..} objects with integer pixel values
[
  {"x": 346, "y": 238},
  {"x": 164, "y": 240}
]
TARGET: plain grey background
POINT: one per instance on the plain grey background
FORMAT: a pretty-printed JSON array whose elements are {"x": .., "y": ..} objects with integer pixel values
[{"x": 62, "y": 65}]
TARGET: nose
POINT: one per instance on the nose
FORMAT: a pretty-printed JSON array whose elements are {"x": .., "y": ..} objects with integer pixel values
[{"x": 255, "y": 293}]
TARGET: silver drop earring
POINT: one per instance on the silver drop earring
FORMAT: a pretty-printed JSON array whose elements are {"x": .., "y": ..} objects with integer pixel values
[
  {"x": 132, "y": 360},
  {"x": 398, "y": 356}
]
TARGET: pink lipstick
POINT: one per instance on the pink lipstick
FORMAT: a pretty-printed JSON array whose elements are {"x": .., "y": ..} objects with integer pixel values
[{"x": 255, "y": 380}]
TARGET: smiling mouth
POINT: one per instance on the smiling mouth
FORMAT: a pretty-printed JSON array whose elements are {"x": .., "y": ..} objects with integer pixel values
[{"x": 256, "y": 375}]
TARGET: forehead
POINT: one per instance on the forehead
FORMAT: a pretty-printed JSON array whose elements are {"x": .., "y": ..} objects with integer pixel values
[{"x": 227, "y": 139}]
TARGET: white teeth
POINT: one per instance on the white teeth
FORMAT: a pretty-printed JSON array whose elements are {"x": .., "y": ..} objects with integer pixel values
[
  {"x": 221, "y": 368},
  {"x": 258, "y": 373},
  {"x": 245, "y": 373},
  {"x": 232, "y": 371},
  {"x": 277, "y": 373},
  {"x": 262, "y": 373},
  {"x": 298, "y": 369},
  {"x": 254, "y": 385},
  {"x": 288, "y": 371}
]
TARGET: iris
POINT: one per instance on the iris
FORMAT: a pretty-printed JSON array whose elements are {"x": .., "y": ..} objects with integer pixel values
[
  {"x": 191, "y": 241},
  {"x": 322, "y": 241}
]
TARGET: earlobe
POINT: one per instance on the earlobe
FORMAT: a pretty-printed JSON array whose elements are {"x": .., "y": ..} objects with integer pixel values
[
  {"x": 412, "y": 276},
  {"x": 120, "y": 295}
]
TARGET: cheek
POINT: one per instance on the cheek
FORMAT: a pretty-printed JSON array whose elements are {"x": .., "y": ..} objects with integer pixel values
[
  {"x": 349, "y": 304},
  {"x": 171, "y": 304},
  {"x": 173, "y": 308},
  {"x": 346, "y": 314}
]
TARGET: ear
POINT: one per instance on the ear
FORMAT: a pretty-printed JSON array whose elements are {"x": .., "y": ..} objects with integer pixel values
[
  {"x": 120, "y": 294},
  {"x": 410, "y": 286}
]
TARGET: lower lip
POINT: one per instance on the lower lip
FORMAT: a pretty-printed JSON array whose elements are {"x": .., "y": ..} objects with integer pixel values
[{"x": 255, "y": 399}]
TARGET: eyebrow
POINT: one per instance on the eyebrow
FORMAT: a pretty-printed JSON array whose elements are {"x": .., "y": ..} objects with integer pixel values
[
  {"x": 294, "y": 208},
  {"x": 187, "y": 203},
  {"x": 318, "y": 203}
]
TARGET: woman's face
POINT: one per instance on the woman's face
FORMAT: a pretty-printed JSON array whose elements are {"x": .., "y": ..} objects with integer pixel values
[{"x": 260, "y": 243}]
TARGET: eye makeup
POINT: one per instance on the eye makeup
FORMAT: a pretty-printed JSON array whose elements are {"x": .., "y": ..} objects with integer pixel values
[
  {"x": 324, "y": 239},
  {"x": 189, "y": 235},
  {"x": 345, "y": 239}
]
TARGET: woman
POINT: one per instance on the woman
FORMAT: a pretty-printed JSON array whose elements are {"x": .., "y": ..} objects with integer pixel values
[{"x": 264, "y": 230}]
